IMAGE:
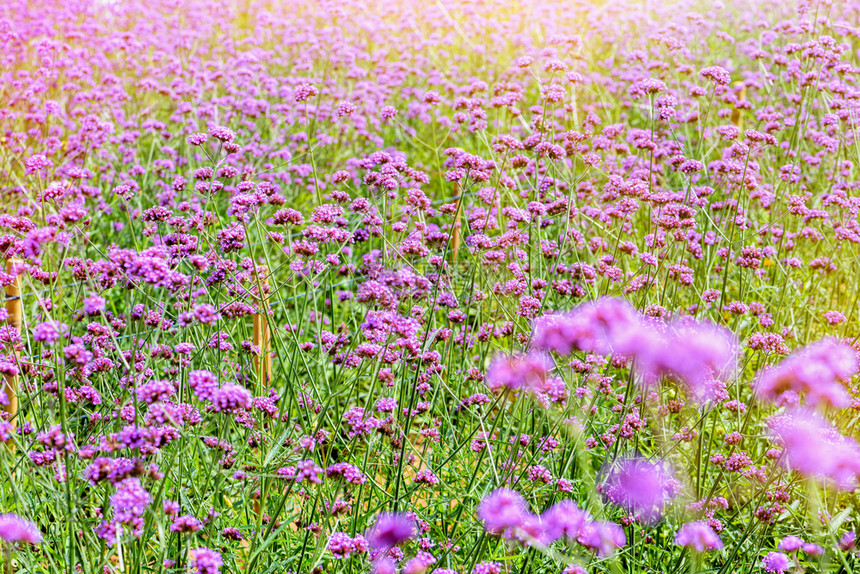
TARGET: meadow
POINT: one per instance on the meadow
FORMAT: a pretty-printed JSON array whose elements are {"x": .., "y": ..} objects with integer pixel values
[{"x": 455, "y": 286}]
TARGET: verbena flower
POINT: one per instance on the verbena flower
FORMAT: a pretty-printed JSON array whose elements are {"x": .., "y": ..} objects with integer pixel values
[
  {"x": 501, "y": 510},
  {"x": 390, "y": 529},
  {"x": 641, "y": 486},
  {"x": 690, "y": 351},
  {"x": 790, "y": 544},
  {"x": 602, "y": 537},
  {"x": 818, "y": 372},
  {"x": 604, "y": 326},
  {"x": 815, "y": 448},
  {"x": 698, "y": 536},
  {"x": 15, "y": 529},
  {"x": 205, "y": 561},
  {"x": 776, "y": 562},
  {"x": 528, "y": 372},
  {"x": 342, "y": 546},
  {"x": 563, "y": 520}
]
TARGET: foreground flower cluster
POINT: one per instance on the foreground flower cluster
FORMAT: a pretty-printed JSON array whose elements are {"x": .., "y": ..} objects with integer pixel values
[{"x": 454, "y": 287}]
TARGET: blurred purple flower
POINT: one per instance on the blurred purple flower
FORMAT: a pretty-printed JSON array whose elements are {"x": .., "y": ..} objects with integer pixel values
[
  {"x": 383, "y": 565},
  {"x": 817, "y": 372},
  {"x": 14, "y": 528},
  {"x": 94, "y": 304},
  {"x": 640, "y": 486},
  {"x": 602, "y": 537},
  {"x": 790, "y": 544},
  {"x": 813, "y": 549},
  {"x": 529, "y": 371},
  {"x": 604, "y": 326},
  {"x": 815, "y": 448},
  {"x": 698, "y": 536},
  {"x": 389, "y": 530},
  {"x": 563, "y": 520},
  {"x": 502, "y": 509},
  {"x": 694, "y": 352}
]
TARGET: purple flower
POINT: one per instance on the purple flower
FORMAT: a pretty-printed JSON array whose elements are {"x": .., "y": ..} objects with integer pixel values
[
  {"x": 717, "y": 75},
  {"x": 14, "y": 528},
  {"x": 835, "y": 317},
  {"x": 813, "y": 549},
  {"x": 342, "y": 545},
  {"x": 528, "y": 371},
  {"x": 205, "y": 314},
  {"x": 563, "y": 520},
  {"x": 197, "y": 139},
  {"x": 308, "y": 470},
  {"x": 602, "y": 537},
  {"x": 698, "y": 536},
  {"x": 502, "y": 509},
  {"x": 383, "y": 565},
  {"x": 487, "y": 568},
  {"x": 814, "y": 448},
  {"x": 693, "y": 352},
  {"x": 304, "y": 92},
  {"x": 170, "y": 507},
  {"x": 647, "y": 86},
  {"x": 129, "y": 504},
  {"x": 231, "y": 397},
  {"x": 222, "y": 133},
  {"x": 817, "y": 371},
  {"x": 49, "y": 332},
  {"x": 185, "y": 523},
  {"x": 203, "y": 384},
  {"x": 94, "y": 304},
  {"x": 232, "y": 533},
  {"x": 350, "y": 473},
  {"x": 640, "y": 486},
  {"x": 419, "y": 564},
  {"x": 604, "y": 326},
  {"x": 344, "y": 109},
  {"x": 155, "y": 391},
  {"x": 776, "y": 562},
  {"x": 389, "y": 530},
  {"x": 790, "y": 543},
  {"x": 205, "y": 561},
  {"x": 36, "y": 163},
  {"x": 231, "y": 238},
  {"x": 386, "y": 405},
  {"x": 426, "y": 476}
]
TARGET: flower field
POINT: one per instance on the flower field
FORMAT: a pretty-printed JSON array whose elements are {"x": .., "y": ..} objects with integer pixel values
[{"x": 456, "y": 286}]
